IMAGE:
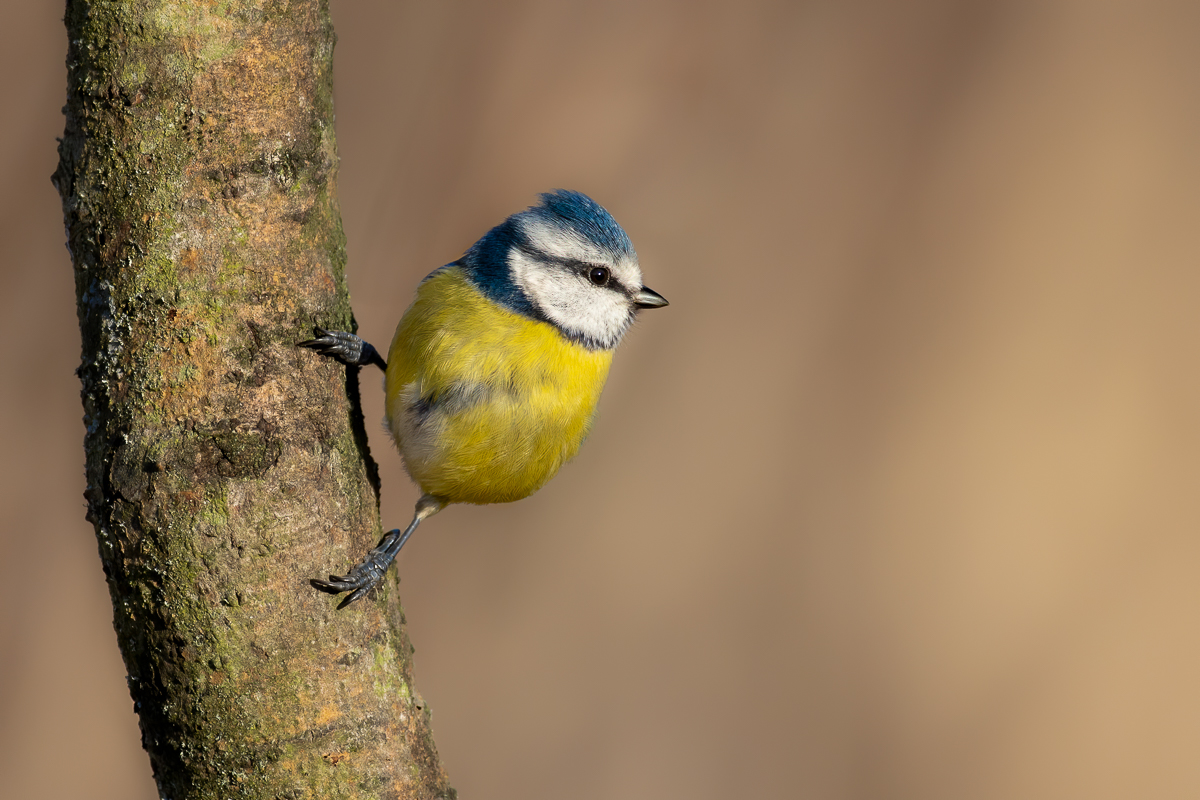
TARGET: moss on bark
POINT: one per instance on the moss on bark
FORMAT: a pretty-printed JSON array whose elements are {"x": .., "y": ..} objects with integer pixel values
[{"x": 225, "y": 466}]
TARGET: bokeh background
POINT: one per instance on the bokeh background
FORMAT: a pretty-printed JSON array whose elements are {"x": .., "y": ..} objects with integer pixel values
[{"x": 899, "y": 498}]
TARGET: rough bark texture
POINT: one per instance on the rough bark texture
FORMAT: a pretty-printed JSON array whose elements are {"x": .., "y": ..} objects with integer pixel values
[{"x": 226, "y": 466}]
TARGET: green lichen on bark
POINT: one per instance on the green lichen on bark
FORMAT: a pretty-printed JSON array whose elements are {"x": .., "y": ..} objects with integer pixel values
[{"x": 225, "y": 466}]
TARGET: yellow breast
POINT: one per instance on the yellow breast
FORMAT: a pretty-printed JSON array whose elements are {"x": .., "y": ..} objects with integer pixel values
[{"x": 485, "y": 404}]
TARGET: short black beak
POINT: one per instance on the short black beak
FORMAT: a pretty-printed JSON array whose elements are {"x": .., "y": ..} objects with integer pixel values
[{"x": 648, "y": 298}]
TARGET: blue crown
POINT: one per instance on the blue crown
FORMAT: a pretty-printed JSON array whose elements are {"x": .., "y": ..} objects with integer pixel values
[{"x": 578, "y": 212}]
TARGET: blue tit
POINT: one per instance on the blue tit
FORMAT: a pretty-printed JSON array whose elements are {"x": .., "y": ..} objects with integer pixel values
[{"x": 495, "y": 370}]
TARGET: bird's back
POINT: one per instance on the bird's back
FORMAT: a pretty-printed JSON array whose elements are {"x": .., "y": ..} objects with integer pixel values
[{"x": 484, "y": 403}]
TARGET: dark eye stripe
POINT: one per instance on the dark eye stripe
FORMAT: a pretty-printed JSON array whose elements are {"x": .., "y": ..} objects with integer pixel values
[
  {"x": 581, "y": 267},
  {"x": 609, "y": 280}
]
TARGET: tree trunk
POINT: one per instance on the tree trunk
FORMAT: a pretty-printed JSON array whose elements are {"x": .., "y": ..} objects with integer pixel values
[{"x": 226, "y": 466}]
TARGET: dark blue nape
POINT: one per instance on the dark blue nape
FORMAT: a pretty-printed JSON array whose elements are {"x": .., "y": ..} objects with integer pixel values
[
  {"x": 486, "y": 264},
  {"x": 579, "y": 212}
]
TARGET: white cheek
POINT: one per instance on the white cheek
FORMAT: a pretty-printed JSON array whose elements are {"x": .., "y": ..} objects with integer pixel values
[{"x": 575, "y": 306}]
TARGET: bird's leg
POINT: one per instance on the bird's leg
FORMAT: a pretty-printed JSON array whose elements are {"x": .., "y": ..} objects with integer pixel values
[
  {"x": 364, "y": 577},
  {"x": 345, "y": 347}
]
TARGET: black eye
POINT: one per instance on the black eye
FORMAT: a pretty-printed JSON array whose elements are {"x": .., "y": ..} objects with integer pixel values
[{"x": 598, "y": 275}]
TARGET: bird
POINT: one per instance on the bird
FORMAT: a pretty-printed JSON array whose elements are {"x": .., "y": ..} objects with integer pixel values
[{"x": 494, "y": 373}]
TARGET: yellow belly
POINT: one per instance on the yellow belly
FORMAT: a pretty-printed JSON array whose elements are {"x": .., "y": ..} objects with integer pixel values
[{"x": 485, "y": 404}]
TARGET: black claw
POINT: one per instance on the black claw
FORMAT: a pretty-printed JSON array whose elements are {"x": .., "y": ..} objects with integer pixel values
[
  {"x": 344, "y": 347},
  {"x": 335, "y": 585},
  {"x": 361, "y": 584},
  {"x": 331, "y": 586},
  {"x": 365, "y": 576},
  {"x": 357, "y": 593}
]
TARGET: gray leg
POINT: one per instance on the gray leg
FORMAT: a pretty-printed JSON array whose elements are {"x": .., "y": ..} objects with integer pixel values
[
  {"x": 364, "y": 577},
  {"x": 345, "y": 347}
]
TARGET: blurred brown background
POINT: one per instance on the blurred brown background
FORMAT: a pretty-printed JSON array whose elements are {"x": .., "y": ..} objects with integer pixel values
[{"x": 899, "y": 495}]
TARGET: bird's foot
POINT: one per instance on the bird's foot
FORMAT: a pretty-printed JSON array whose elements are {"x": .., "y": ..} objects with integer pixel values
[
  {"x": 367, "y": 575},
  {"x": 345, "y": 347}
]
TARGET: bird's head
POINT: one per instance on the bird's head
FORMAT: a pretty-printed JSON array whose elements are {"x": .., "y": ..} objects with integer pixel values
[{"x": 567, "y": 262}]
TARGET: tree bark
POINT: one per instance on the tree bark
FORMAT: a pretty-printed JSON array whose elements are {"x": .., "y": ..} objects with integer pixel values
[{"x": 226, "y": 466}]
